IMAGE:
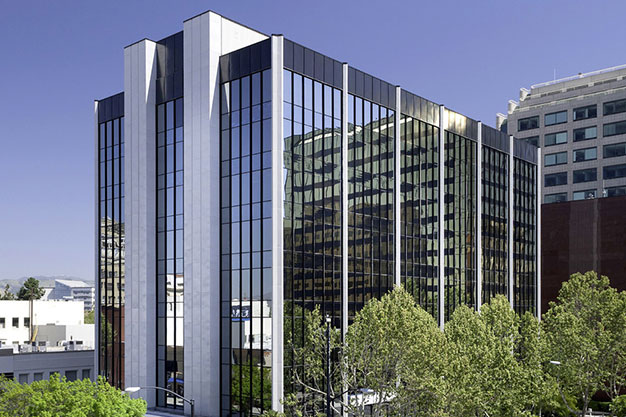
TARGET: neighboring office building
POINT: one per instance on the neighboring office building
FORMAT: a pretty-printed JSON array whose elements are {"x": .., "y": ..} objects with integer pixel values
[
  {"x": 581, "y": 236},
  {"x": 16, "y": 326},
  {"x": 72, "y": 290},
  {"x": 580, "y": 122},
  {"x": 30, "y": 367},
  {"x": 249, "y": 175}
]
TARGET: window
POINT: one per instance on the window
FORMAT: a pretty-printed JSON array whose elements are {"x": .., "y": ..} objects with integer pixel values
[
  {"x": 16, "y": 322},
  {"x": 587, "y": 154},
  {"x": 585, "y": 175},
  {"x": 37, "y": 376},
  {"x": 71, "y": 375},
  {"x": 616, "y": 191},
  {"x": 528, "y": 123},
  {"x": 614, "y": 171},
  {"x": 613, "y": 107},
  {"x": 556, "y": 118},
  {"x": 617, "y": 128},
  {"x": 551, "y": 180},
  {"x": 2, "y": 323},
  {"x": 584, "y": 195},
  {"x": 585, "y": 133},
  {"x": 23, "y": 378},
  {"x": 558, "y": 158},
  {"x": 26, "y": 321},
  {"x": 86, "y": 373},
  {"x": 586, "y": 112},
  {"x": 555, "y": 138},
  {"x": 54, "y": 372},
  {"x": 555, "y": 198},
  {"x": 533, "y": 140},
  {"x": 617, "y": 149}
]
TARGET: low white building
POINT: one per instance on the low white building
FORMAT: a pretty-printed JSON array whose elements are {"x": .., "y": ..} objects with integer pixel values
[
  {"x": 70, "y": 290},
  {"x": 29, "y": 367},
  {"x": 16, "y": 316}
]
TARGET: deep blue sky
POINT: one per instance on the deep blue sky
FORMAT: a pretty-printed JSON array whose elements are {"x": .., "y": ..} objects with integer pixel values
[{"x": 58, "y": 56}]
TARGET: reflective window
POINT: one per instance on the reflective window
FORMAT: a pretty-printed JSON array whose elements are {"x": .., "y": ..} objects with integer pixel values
[
  {"x": 586, "y": 112},
  {"x": 111, "y": 249},
  {"x": 552, "y": 180},
  {"x": 555, "y": 118},
  {"x": 533, "y": 140},
  {"x": 528, "y": 123},
  {"x": 613, "y": 107},
  {"x": 555, "y": 198},
  {"x": 170, "y": 274},
  {"x": 585, "y": 175},
  {"x": 585, "y": 133},
  {"x": 584, "y": 195},
  {"x": 246, "y": 244},
  {"x": 614, "y": 150},
  {"x": 616, "y": 191},
  {"x": 588, "y": 154},
  {"x": 555, "y": 138},
  {"x": 555, "y": 159},
  {"x": 419, "y": 143},
  {"x": 614, "y": 171},
  {"x": 617, "y": 128}
]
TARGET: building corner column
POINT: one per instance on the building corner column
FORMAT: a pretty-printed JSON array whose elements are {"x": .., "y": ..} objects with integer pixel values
[
  {"x": 344, "y": 202},
  {"x": 443, "y": 124},
  {"x": 397, "y": 191},
  {"x": 277, "y": 222},
  {"x": 479, "y": 219},
  {"x": 96, "y": 234},
  {"x": 511, "y": 231},
  {"x": 538, "y": 235}
]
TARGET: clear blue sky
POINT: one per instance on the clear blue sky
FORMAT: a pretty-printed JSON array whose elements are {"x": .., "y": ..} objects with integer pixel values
[{"x": 58, "y": 56}]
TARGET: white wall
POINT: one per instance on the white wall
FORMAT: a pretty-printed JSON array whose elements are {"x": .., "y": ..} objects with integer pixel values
[
  {"x": 56, "y": 334},
  {"x": 44, "y": 312}
]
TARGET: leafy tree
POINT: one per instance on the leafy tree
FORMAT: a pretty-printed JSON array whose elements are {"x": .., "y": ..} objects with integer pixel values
[
  {"x": 614, "y": 356},
  {"x": 618, "y": 406},
  {"x": 56, "y": 397},
  {"x": 30, "y": 290},
  {"x": 89, "y": 317},
  {"x": 7, "y": 294},
  {"x": 576, "y": 331}
]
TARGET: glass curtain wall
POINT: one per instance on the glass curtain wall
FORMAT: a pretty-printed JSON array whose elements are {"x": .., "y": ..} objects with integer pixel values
[
  {"x": 524, "y": 237},
  {"x": 495, "y": 244},
  {"x": 419, "y": 156},
  {"x": 312, "y": 208},
  {"x": 112, "y": 245},
  {"x": 459, "y": 223},
  {"x": 370, "y": 202},
  {"x": 170, "y": 274},
  {"x": 246, "y": 245}
]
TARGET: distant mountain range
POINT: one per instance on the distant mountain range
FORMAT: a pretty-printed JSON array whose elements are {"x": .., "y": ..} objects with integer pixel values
[{"x": 44, "y": 281}]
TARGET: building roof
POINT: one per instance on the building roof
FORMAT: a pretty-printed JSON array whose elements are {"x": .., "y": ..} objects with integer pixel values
[{"x": 74, "y": 284}]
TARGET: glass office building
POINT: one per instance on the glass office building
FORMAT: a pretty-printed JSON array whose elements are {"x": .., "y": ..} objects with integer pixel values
[{"x": 261, "y": 179}]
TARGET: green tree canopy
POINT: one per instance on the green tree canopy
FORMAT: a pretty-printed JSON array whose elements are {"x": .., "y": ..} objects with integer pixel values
[
  {"x": 30, "y": 290},
  {"x": 7, "y": 294},
  {"x": 56, "y": 397}
]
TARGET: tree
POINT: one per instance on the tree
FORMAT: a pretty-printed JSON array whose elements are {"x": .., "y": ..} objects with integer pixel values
[
  {"x": 90, "y": 317},
  {"x": 56, "y": 397},
  {"x": 7, "y": 294},
  {"x": 30, "y": 290},
  {"x": 614, "y": 356},
  {"x": 576, "y": 328}
]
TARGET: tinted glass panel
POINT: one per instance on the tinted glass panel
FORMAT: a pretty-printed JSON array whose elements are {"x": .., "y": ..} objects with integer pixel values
[
  {"x": 588, "y": 154},
  {"x": 555, "y": 138},
  {"x": 613, "y": 107},
  {"x": 585, "y": 175},
  {"x": 612, "y": 129},
  {"x": 583, "y": 195},
  {"x": 614, "y": 171},
  {"x": 586, "y": 112},
  {"x": 555, "y": 198},
  {"x": 585, "y": 133},
  {"x": 556, "y": 158},
  {"x": 528, "y": 123},
  {"x": 617, "y": 149},
  {"x": 559, "y": 178},
  {"x": 555, "y": 118}
]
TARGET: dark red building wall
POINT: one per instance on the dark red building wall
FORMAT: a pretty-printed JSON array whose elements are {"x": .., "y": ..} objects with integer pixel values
[{"x": 580, "y": 236}]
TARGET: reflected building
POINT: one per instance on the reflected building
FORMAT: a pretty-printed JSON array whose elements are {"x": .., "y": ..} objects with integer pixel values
[{"x": 262, "y": 179}]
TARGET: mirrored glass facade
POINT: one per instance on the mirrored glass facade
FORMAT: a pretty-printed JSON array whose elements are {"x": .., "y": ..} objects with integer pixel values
[
  {"x": 170, "y": 249},
  {"x": 370, "y": 202},
  {"x": 419, "y": 167},
  {"x": 111, "y": 249},
  {"x": 495, "y": 219},
  {"x": 525, "y": 237},
  {"x": 246, "y": 244}
]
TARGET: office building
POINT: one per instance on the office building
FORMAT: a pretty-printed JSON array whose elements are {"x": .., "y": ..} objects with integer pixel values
[
  {"x": 247, "y": 177},
  {"x": 580, "y": 122},
  {"x": 65, "y": 289},
  {"x": 581, "y": 236}
]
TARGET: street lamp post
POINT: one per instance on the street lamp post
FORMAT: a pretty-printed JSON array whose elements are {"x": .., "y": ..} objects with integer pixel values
[
  {"x": 191, "y": 402},
  {"x": 328, "y": 414}
]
